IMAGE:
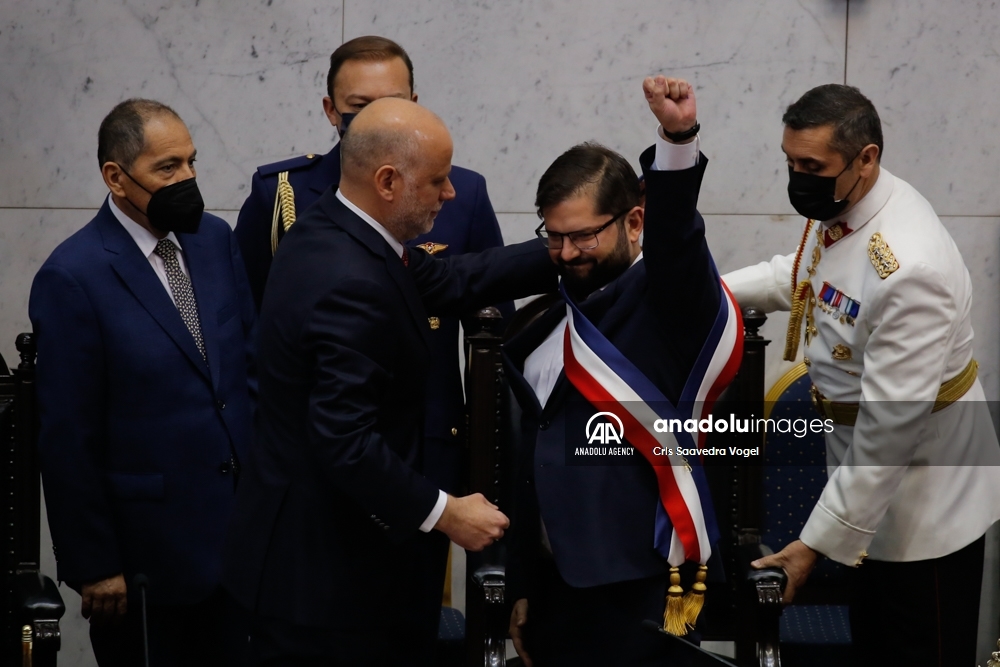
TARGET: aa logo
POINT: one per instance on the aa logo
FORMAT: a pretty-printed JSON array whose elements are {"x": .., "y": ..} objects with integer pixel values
[{"x": 603, "y": 432}]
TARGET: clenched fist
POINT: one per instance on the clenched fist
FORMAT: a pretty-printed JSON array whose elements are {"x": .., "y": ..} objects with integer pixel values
[
  {"x": 672, "y": 102},
  {"x": 472, "y": 522}
]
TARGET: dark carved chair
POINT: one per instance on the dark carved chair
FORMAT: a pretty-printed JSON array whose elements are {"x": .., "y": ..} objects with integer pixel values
[
  {"x": 491, "y": 411},
  {"x": 33, "y": 606},
  {"x": 762, "y": 503},
  {"x": 755, "y": 505}
]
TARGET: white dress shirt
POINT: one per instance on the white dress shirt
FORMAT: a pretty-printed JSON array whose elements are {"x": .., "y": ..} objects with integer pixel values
[
  {"x": 147, "y": 243},
  {"x": 375, "y": 224},
  {"x": 442, "y": 500}
]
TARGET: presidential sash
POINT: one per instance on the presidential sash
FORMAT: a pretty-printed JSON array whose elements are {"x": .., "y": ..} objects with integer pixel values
[{"x": 685, "y": 526}]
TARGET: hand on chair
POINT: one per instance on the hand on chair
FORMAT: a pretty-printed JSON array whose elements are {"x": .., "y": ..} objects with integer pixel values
[{"x": 797, "y": 560}]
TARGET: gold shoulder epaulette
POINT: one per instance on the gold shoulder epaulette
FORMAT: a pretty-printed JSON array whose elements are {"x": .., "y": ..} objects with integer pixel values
[{"x": 881, "y": 256}]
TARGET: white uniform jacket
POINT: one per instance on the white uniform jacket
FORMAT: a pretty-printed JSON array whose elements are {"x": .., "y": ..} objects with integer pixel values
[{"x": 905, "y": 483}]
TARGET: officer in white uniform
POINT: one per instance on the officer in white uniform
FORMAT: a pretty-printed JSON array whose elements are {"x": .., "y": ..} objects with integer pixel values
[{"x": 881, "y": 296}]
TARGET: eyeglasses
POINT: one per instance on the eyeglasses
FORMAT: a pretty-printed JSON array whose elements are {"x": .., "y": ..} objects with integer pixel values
[{"x": 582, "y": 240}]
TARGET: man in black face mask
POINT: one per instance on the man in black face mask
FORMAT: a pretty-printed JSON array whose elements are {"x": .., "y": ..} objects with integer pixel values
[
  {"x": 143, "y": 321},
  {"x": 885, "y": 301}
]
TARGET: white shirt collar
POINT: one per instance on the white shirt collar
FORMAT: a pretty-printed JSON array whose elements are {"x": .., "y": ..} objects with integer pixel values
[
  {"x": 142, "y": 236},
  {"x": 870, "y": 204},
  {"x": 873, "y": 201},
  {"x": 377, "y": 226}
]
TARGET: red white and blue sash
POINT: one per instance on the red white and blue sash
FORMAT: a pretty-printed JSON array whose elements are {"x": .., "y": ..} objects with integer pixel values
[{"x": 685, "y": 521}]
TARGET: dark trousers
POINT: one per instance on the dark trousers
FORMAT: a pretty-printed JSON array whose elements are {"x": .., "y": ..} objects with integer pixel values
[
  {"x": 213, "y": 632},
  {"x": 920, "y": 614},
  {"x": 599, "y": 626},
  {"x": 405, "y": 635}
]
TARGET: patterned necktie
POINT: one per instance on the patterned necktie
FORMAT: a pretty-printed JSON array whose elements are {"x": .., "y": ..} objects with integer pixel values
[
  {"x": 406, "y": 256},
  {"x": 180, "y": 287}
]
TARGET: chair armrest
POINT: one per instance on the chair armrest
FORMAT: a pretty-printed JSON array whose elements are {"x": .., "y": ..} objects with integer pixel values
[
  {"x": 39, "y": 605},
  {"x": 769, "y": 583},
  {"x": 763, "y": 590},
  {"x": 489, "y": 584},
  {"x": 38, "y": 598}
]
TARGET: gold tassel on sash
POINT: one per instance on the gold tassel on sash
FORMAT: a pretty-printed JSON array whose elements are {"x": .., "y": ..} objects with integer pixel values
[
  {"x": 673, "y": 616},
  {"x": 695, "y": 598},
  {"x": 284, "y": 209}
]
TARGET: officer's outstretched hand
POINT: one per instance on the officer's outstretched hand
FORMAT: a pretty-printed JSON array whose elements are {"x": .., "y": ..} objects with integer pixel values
[
  {"x": 472, "y": 522},
  {"x": 797, "y": 560},
  {"x": 672, "y": 102}
]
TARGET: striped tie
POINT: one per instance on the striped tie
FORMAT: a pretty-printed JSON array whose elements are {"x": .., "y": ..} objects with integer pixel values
[{"x": 180, "y": 287}]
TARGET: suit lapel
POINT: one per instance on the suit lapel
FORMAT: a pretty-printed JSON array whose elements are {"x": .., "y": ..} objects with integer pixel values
[
  {"x": 367, "y": 236},
  {"x": 199, "y": 265},
  {"x": 617, "y": 301},
  {"x": 410, "y": 294},
  {"x": 137, "y": 274}
]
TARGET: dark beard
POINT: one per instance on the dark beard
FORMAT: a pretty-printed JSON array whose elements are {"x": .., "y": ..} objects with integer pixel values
[{"x": 601, "y": 273}]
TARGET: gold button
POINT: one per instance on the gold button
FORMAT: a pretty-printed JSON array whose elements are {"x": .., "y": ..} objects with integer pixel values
[
  {"x": 435, "y": 323},
  {"x": 454, "y": 431},
  {"x": 310, "y": 156}
]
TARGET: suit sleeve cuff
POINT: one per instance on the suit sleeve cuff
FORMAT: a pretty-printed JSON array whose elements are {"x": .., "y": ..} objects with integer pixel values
[
  {"x": 835, "y": 538},
  {"x": 432, "y": 518},
  {"x": 675, "y": 157}
]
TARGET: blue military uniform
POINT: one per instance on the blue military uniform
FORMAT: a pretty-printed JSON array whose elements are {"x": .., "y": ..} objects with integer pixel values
[{"x": 465, "y": 224}]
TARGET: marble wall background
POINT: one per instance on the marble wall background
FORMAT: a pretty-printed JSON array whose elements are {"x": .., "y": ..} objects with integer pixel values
[{"x": 517, "y": 82}]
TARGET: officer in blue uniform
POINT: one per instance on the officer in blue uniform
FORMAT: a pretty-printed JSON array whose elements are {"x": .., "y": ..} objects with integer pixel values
[{"x": 362, "y": 70}]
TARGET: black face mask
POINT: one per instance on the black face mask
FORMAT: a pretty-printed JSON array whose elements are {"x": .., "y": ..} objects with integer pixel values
[
  {"x": 813, "y": 196},
  {"x": 174, "y": 208},
  {"x": 345, "y": 120}
]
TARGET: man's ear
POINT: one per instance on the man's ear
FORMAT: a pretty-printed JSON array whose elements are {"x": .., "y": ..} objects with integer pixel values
[
  {"x": 114, "y": 178},
  {"x": 331, "y": 112},
  {"x": 869, "y": 158},
  {"x": 388, "y": 182},
  {"x": 634, "y": 221}
]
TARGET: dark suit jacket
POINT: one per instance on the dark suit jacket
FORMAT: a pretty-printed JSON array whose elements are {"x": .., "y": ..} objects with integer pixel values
[
  {"x": 137, "y": 433},
  {"x": 599, "y": 519},
  {"x": 329, "y": 508},
  {"x": 465, "y": 224}
]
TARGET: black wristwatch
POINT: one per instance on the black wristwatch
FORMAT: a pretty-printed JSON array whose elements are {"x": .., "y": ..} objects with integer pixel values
[{"x": 682, "y": 136}]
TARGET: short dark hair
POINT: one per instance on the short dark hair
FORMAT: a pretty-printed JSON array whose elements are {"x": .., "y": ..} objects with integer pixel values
[
  {"x": 853, "y": 117},
  {"x": 122, "y": 137},
  {"x": 369, "y": 48},
  {"x": 589, "y": 166}
]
